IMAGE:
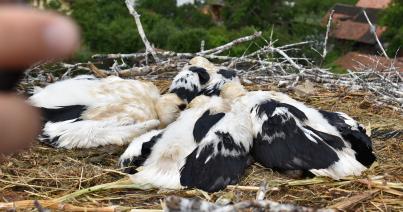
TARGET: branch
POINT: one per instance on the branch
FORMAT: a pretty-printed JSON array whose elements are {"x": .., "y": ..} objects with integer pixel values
[
  {"x": 54, "y": 205},
  {"x": 373, "y": 31},
  {"x": 327, "y": 34},
  {"x": 179, "y": 204},
  {"x": 229, "y": 45},
  {"x": 133, "y": 12},
  {"x": 350, "y": 202}
]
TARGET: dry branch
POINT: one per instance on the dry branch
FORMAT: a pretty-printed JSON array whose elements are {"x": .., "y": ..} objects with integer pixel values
[
  {"x": 130, "y": 6},
  {"x": 373, "y": 31},
  {"x": 178, "y": 204},
  {"x": 54, "y": 205},
  {"x": 329, "y": 23},
  {"x": 350, "y": 202},
  {"x": 231, "y": 44}
]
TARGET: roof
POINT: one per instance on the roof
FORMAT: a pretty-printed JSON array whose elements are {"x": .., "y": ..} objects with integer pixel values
[
  {"x": 352, "y": 61},
  {"x": 355, "y": 13},
  {"x": 380, "y": 4},
  {"x": 349, "y": 23},
  {"x": 350, "y": 30}
]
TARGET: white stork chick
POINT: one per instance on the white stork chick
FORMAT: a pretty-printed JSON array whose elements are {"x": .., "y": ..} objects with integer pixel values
[
  {"x": 86, "y": 112},
  {"x": 206, "y": 147},
  {"x": 289, "y": 135},
  {"x": 200, "y": 77},
  {"x": 218, "y": 76}
]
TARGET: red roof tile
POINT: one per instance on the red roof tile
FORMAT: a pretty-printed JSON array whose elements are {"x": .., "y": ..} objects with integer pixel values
[
  {"x": 350, "y": 30},
  {"x": 349, "y": 23},
  {"x": 353, "y": 60},
  {"x": 380, "y": 4}
]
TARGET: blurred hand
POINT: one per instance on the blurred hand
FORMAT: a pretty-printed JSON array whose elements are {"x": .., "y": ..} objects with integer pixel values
[{"x": 26, "y": 37}]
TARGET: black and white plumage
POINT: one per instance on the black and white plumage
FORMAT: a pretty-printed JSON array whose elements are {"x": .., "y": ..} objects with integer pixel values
[
  {"x": 88, "y": 112},
  {"x": 210, "y": 144},
  {"x": 206, "y": 147},
  {"x": 187, "y": 84},
  {"x": 200, "y": 77},
  {"x": 218, "y": 76},
  {"x": 288, "y": 135}
]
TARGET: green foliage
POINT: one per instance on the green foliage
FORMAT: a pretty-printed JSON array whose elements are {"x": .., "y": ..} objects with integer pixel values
[
  {"x": 189, "y": 16},
  {"x": 259, "y": 13},
  {"x": 187, "y": 40},
  {"x": 106, "y": 27},
  {"x": 393, "y": 20},
  {"x": 161, "y": 31},
  {"x": 54, "y": 4},
  {"x": 166, "y": 8}
]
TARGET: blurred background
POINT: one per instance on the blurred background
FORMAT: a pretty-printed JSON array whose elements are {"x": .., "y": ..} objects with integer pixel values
[{"x": 181, "y": 25}]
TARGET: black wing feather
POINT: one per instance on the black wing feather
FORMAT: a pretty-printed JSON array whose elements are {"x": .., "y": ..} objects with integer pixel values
[
  {"x": 359, "y": 140},
  {"x": 283, "y": 144},
  {"x": 204, "y": 124},
  {"x": 62, "y": 113},
  {"x": 215, "y": 174}
]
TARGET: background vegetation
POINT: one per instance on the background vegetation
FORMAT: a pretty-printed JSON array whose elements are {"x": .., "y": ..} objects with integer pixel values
[
  {"x": 393, "y": 20},
  {"x": 108, "y": 28}
]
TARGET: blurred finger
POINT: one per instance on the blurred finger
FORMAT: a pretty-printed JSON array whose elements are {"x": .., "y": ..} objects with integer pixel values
[
  {"x": 8, "y": 79},
  {"x": 28, "y": 36},
  {"x": 19, "y": 123}
]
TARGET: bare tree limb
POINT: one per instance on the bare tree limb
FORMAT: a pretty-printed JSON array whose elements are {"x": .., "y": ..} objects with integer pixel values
[
  {"x": 373, "y": 31},
  {"x": 130, "y": 6},
  {"x": 178, "y": 204},
  {"x": 229, "y": 45},
  {"x": 329, "y": 23}
]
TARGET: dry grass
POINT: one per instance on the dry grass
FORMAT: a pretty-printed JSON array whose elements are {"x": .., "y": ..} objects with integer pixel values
[{"x": 46, "y": 173}]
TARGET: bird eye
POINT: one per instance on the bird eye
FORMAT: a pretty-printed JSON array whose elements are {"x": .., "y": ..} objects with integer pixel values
[{"x": 182, "y": 107}]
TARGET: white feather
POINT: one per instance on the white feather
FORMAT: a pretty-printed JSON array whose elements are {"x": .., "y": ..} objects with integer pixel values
[
  {"x": 63, "y": 93},
  {"x": 89, "y": 133},
  {"x": 346, "y": 166},
  {"x": 134, "y": 149}
]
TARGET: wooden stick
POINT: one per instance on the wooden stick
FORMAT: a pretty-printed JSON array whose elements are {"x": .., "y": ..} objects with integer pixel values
[
  {"x": 329, "y": 22},
  {"x": 231, "y": 44},
  {"x": 54, "y": 205},
  {"x": 261, "y": 193},
  {"x": 178, "y": 204},
  {"x": 350, "y": 202},
  {"x": 373, "y": 31},
  {"x": 130, "y": 6}
]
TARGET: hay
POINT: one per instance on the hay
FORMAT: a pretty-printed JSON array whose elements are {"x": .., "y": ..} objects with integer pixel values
[{"x": 46, "y": 173}]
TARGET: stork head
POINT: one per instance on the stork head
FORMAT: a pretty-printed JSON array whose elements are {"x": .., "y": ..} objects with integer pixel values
[
  {"x": 232, "y": 90},
  {"x": 204, "y": 63},
  {"x": 168, "y": 108},
  {"x": 188, "y": 82}
]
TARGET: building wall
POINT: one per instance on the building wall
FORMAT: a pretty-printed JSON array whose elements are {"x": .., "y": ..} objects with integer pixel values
[{"x": 182, "y": 2}]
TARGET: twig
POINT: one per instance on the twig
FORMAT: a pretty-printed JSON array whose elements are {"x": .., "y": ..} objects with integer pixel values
[
  {"x": 229, "y": 45},
  {"x": 329, "y": 23},
  {"x": 261, "y": 193},
  {"x": 54, "y": 205},
  {"x": 178, "y": 204},
  {"x": 130, "y": 5},
  {"x": 350, "y": 202},
  {"x": 373, "y": 31}
]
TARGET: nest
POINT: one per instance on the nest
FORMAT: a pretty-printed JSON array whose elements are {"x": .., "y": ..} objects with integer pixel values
[{"x": 46, "y": 173}]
